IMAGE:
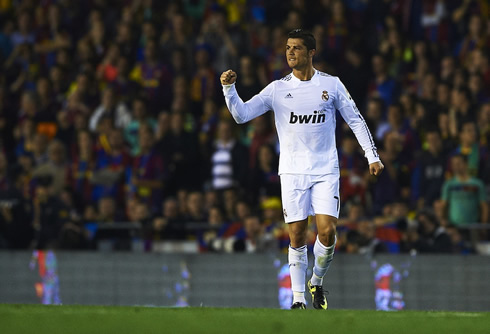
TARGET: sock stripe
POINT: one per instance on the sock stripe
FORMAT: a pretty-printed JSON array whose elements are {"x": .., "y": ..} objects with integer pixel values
[{"x": 298, "y": 248}]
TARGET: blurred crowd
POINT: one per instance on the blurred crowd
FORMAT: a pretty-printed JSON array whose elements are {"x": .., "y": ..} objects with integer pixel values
[{"x": 111, "y": 111}]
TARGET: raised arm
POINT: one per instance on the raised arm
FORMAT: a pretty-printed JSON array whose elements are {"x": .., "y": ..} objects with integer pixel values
[
  {"x": 345, "y": 105},
  {"x": 241, "y": 111}
]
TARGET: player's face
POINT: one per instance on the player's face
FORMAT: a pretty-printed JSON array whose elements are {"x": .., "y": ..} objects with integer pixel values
[{"x": 297, "y": 55}]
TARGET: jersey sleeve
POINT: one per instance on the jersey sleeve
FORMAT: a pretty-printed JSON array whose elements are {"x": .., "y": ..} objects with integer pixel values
[
  {"x": 243, "y": 112},
  {"x": 345, "y": 105}
]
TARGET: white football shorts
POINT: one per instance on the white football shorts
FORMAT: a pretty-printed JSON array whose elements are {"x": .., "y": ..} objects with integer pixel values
[{"x": 307, "y": 195}]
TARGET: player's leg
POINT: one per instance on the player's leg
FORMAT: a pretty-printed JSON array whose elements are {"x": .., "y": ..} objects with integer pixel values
[
  {"x": 298, "y": 260},
  {"x": 324, "y": 247},
  {"x": 325, "y": 202},
  {"x": 296, "y": 204}
]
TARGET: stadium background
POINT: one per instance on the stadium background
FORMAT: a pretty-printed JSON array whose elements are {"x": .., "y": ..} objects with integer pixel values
[{"x": 112, "y": 124}]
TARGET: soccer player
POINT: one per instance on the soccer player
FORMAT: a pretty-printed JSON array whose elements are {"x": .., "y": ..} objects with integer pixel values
[{"x": 304, "y": 103}]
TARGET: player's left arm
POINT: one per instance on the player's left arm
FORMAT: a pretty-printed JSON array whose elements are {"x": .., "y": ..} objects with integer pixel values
[
  {"x": 345, "y": 105},
  {"x": 243, "y": 112}
]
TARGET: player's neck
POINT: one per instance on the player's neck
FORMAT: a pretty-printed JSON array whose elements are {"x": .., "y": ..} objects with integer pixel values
[{"x": 304, "y": 74}]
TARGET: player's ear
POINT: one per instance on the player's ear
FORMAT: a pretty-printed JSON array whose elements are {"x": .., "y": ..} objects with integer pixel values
[{"x": 312, "y": 52}]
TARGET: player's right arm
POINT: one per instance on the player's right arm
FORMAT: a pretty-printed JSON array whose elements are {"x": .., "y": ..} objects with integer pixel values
[{"x": 241, "y": 111}]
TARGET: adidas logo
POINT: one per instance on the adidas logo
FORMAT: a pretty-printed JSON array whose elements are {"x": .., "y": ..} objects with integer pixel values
[{"x": 289, "y": 96}]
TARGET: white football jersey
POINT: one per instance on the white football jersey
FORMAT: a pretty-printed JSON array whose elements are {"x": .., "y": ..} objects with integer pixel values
[{"x": 305, "y": 121}]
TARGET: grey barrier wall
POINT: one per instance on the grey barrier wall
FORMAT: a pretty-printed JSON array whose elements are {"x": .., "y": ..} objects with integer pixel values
[{"x": 459, "y": 283}]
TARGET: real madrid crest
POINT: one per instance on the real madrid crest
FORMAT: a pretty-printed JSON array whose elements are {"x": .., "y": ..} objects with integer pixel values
[{"x": 325, "y": 96}]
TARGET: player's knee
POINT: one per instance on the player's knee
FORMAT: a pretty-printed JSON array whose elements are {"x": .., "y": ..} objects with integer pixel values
[{"x": 327, "y": 232}]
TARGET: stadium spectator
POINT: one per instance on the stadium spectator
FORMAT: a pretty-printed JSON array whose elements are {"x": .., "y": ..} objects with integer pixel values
[
  {"x": 16, "y": 228},
  {"x": 257, "y": 239},
  {"x": 181, "y": 153},
  {"x": 24, "y": 33},
  {"x": 374, "y": 115},
  {"x": 382, "y": 85},
  {"x": 429, "y": 237},
  {"x": 154, "y": 77},
  {"x": 111, "y": 165},
  {"x": 47, "y": 105},
  {"x": 195, "y": 208},
  {"x": 443, "y": 96},
  {"x": 273, "y": 220},
  {"x": 55, "y": 168},
  {"x": 65, "y": 131},
  {"x": 202, "y": 85},
  {"x": 264, "y": 181},
  {"x": 470, "y": 147},
  {"x": 458, "y": 243},
  {"x": 106, "y": 210},
  {"x": 352, "y": 168},
  {"x": 84, "y": 93},
  {"x": 464, "y": 195},
  {"x": 147, "y": 175},
  {"x": 230, "y": 198},
  {"x": 366, "y": 241},
  {"x": 228, "y": 167},
  {"x": 49, "y": 216},
  {"x": 431, "y": 170},
  {"x": 170, "y": 225},
  {"x": 111, "y": 108},
  {"x": 131, "y": 130},
  {"x": 261, "y": 133},
  {"x": 107, "y": 70},
  {"x": 460, "y": 110},
  {"x": 223, "y": 40},
  {"x": 397, "y": 123},
  {"x": 73, "y": 234},
  {"x": 249, "y": 84},
  {"x": 394, "y": 184},
  {"x": 82, "y": 168}
]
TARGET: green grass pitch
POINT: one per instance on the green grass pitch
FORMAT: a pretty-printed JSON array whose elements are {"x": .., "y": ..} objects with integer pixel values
[{"x": 41, "y": 319}]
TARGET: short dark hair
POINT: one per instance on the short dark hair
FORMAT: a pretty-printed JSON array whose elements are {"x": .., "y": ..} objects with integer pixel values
[{"x": 307, "y": 37}]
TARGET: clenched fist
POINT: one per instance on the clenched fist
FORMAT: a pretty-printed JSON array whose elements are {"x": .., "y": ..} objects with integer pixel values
[
  {"x": 228, "y": 77},
  {"x": 376, "y": 168}
]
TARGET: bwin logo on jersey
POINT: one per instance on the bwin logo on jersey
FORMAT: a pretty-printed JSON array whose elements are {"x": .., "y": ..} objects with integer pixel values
[{"x": 317, "y": 117}]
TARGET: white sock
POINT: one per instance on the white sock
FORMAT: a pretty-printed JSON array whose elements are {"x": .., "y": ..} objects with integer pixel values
[
  {"x": 298, "y": 264},
  {"x": 323, "y": 258}
]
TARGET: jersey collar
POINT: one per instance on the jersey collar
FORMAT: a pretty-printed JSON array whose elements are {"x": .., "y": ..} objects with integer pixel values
[{"x": 314, "y": 79}]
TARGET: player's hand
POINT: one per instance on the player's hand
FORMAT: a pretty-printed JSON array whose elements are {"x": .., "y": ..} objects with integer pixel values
[
  {"x": 376, "y": 168},
  {"x": 228, "y": 77}
]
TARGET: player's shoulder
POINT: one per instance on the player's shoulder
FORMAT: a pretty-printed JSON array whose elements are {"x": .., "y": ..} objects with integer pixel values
[
  {"x": 327, "y": 77},
  {"x": 286, "y": 78},
  {"x": 281, "y": 83},
  {"x": 284, "y": 81},
  {"x": 331, "y": 82}
]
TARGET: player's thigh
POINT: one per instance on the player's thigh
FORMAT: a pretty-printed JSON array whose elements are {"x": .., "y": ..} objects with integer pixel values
[
  {"x": 325, "y": 196},
  {"x": 296, "y": 197}
]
